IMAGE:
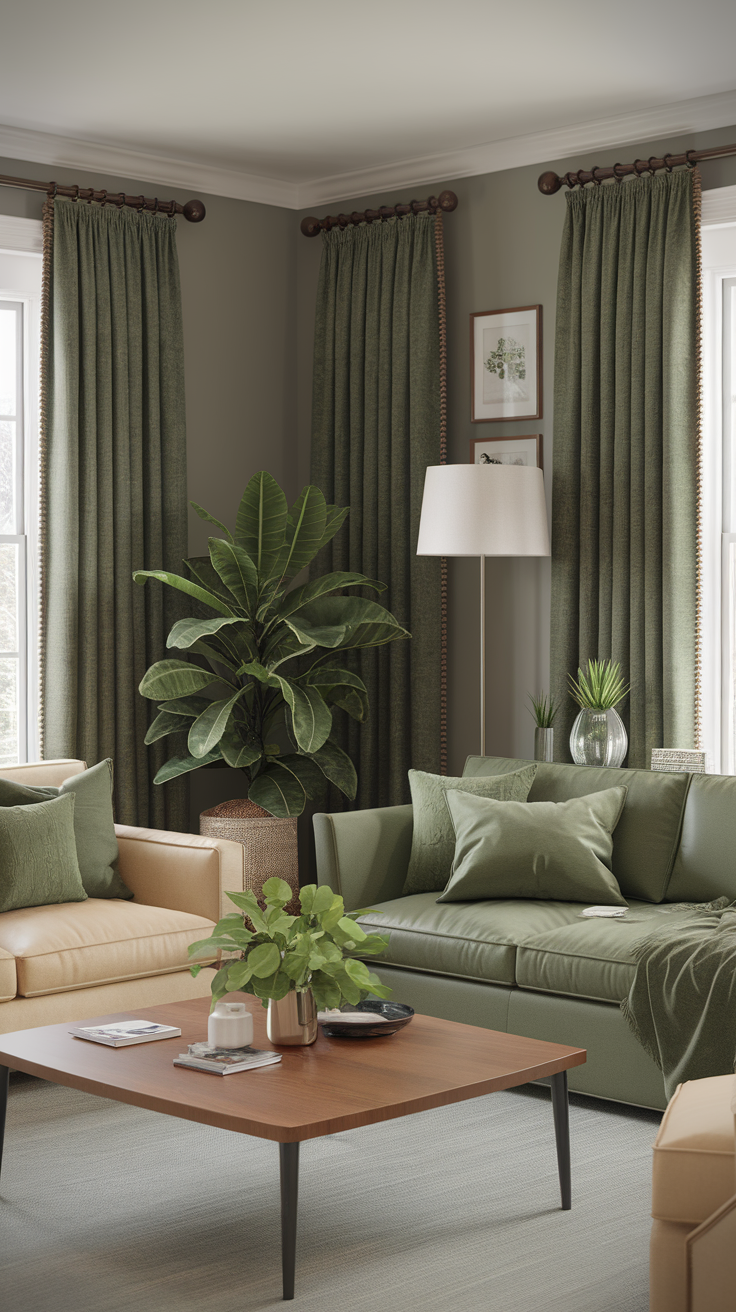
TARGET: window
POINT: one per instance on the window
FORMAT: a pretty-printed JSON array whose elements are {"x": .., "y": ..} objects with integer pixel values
[
  {"x": 20, "y": 288},
  {"x": 718, "y": 630}
]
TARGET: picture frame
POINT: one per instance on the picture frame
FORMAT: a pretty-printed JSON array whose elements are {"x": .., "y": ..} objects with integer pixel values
[
  {"x": 523, "y": 450},
  {"x": 506, "y": 364}
]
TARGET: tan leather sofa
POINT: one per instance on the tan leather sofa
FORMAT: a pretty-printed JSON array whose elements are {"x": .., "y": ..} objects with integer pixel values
[
  {"x": 693, "y": 1241},
  {"x": 86, "y": 959}
]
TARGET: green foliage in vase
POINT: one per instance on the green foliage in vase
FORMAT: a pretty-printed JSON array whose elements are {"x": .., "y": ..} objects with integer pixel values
[
  {"x": 544, "y": 709},
  {"x": 600, "y": 688},
  {"x": 267, "y": 663},
  {"x": 284, "y": 952}
]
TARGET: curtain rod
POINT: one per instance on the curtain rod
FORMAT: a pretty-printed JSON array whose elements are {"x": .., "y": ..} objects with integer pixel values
[
  {"x": 446, "y": 201},
  {"x": 549, "y": 183},
  {"x": 194, "y": 210}
]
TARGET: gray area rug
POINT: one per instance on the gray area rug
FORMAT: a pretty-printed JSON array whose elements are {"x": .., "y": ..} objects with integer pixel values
[{"x": 107, "y": 1208}]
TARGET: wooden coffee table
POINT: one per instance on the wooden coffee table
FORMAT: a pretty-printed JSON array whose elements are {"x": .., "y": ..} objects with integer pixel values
[{"x": 334, "y": 1085}]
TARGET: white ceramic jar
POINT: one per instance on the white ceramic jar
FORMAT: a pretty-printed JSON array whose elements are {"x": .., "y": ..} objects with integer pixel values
[{"x": 230, "y": 1025}]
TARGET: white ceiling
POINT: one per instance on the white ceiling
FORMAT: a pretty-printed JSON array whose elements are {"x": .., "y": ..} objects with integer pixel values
[{"x": 294, "y": 103}]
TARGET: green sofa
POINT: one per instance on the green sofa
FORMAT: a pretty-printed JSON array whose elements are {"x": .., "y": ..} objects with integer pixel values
[{"x": 532, "y": 967}]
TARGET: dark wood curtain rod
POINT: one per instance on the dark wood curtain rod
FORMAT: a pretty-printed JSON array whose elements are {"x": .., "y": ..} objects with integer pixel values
[
  {"x": 446, "y": 201},
  {"x": 194, "y": 211},
  {"x": 549, "y": 183}
]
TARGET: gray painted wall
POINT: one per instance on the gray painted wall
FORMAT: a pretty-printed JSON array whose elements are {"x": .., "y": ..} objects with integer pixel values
[{"x": 502, "y": 248}]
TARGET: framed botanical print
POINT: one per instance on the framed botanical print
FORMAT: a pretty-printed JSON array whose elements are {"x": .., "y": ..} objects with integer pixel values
[
  {"x": 506, "y": 364},
  {"x": 507, "y": 451}
]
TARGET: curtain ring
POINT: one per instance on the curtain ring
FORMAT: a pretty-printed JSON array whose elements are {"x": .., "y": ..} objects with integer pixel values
[
  {"x": 691, "y": 163},
  {"x": 120, "y": 200},
  {"x": 142, "y": 204},
  {"x": 644, "y": 169},
  {"x": 76, "y": 191},
  {"x": 593, "y": 177},
  {"x": 103, "y": 198},
  {"x": 618, "y": 176},
  {"x": 51, "y": 194},
  {"x": 652, "y": 169},
  {"x": 666, "y": 161}
]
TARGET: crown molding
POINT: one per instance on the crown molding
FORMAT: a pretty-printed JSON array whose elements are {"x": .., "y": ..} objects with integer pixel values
[
  {"x": 197, "y": 176},
  {"x": 190, "y": 176},
  {"x": 532, "y": 148},
  {"x": 21, "y": 236}
]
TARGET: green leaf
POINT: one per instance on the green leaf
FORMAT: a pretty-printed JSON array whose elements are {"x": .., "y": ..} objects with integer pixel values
[
  {"x": 278, "y": 791},
  {"x": 283, "y": 645},
  {"x": 203, "y": 572},
  {"x": 204, "y": 947},
  {"x": 322, "y": 899},
  {"x": 318, "y": 635},
  {"x": 264, "y": 960},
  {"x": 366, "y": 623},
  {"x": 358, "y": 972},
  {"x": 320, "y": 587},
  {"x": 273, "y": 986},
  {"x": 330, "y": 676},
  {"x": 261, "y": 522},
  {"x": 239, "y": 975},
  {"x": 219, "y": 984},
  {"x": 236, "y": 752},
  {"x": 186, "y": 632},
  {"x": 336, "y": 517},
  {"x": 171, "y": 679},
  {"x": 182, "y": 585},
  {"x": 305, "y": 529},
  {"x": 311, "y": 720},
  {"x": 277, "y": 892},
  {"x": 237, "y": 571},
  {"x": 336, "y": 766},
  {"x": 248, "y": 902},
  {"x": 212, "y": 655},
  {"x": 204, "y": 514},
  {"x": 164, "y": 723},
  {"x": 209, "y": 728},
  {"x": 190, "y": 707},
  {"x": 310, "y": 777},
  {"x": 182, "y": 764}
]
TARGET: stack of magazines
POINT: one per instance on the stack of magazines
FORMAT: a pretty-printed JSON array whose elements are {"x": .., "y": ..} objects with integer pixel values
[{"x": 225, "y": 1061}]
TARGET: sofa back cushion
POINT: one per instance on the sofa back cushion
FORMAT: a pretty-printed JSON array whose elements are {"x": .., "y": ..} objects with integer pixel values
[
  {"x": 646, "y": 837},
  {"x": 705, "y": 866}
]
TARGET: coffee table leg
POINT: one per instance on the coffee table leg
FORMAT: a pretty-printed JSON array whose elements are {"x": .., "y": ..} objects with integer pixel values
[
  {"x": 561, "y": 1113},
  {"x": 4, "y": 1080},
  {"x": 289, "y": 1163}
]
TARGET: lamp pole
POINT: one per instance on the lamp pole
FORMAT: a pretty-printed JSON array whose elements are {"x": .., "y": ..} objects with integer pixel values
[{"x": 482, "y": 655}]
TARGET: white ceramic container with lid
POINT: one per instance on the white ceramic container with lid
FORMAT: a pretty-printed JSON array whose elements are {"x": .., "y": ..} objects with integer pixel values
[{"x": 230, "y": 1025}]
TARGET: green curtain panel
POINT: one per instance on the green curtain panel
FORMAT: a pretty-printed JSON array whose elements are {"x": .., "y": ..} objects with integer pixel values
[
  {"x": 375, "y": 428},
  {"x": 114, "y": 492},
  {"x": 625, "y": 484}
]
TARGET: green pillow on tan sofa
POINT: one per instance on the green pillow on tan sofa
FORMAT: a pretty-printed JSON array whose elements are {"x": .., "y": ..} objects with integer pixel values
[
  {"x": 94, "y": 828},
  {"x": 38, "y": 855}
]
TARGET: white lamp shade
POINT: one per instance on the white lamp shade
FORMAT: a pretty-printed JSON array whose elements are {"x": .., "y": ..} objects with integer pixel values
[{"x": 483, "y": 510}]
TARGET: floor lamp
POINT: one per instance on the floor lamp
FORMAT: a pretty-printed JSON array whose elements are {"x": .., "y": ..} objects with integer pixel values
[{"x": 483, "y": 510}]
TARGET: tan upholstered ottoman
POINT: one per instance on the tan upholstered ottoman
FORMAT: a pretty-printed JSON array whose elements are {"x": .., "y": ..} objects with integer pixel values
[{"x": 694, "y": 1176}]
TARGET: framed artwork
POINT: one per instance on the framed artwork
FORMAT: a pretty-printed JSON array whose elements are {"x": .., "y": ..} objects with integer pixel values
[
  {"x": 507, "y": 451},
  {"x": 506, "y": 364}
]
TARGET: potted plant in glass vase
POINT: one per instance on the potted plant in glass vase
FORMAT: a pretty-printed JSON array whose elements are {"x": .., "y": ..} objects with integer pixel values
[
  {"x": 266, "y": 669},
  {"x": 296, "y": 964},
  {"x": 598, "y": 735}
]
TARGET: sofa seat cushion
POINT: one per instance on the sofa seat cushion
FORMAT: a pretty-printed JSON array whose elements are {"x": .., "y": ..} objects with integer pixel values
[
  {"x": 693, "y": 1172},
  {"x": 8, "y": 977},
  {"x": 590, "y": 958},
  {"x": 75, "y": 945},
  {"x": 470, "y": 940}
]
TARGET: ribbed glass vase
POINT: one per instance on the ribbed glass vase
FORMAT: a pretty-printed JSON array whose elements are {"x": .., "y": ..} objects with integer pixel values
[{"x": 598, "y": 738}]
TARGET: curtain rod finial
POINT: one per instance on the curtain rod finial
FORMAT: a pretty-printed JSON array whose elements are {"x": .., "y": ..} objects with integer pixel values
[
  {"x": 447, "y": 201},
  {"x": 310, "y": 227},
  {"x": 549, "y": 183},
  {"x": 194, "y": 211}
]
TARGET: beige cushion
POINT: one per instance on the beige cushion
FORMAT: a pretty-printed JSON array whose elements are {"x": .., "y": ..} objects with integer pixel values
[
  {"x": 8, "y": 981},
  {"x": 693, "y": 1170},
  {"x": 77, "y": 944}
]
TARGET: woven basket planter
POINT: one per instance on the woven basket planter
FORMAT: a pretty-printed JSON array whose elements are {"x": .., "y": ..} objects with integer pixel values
[{"x": 270, "y": 844}]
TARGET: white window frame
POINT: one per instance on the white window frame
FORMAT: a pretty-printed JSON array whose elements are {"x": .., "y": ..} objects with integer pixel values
[
  {"x": 718, "y": 486},
  {"x": 24, "y": 238}
]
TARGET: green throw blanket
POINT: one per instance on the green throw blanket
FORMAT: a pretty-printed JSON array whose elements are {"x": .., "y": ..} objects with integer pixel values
[{"x": 682, "y": 1003}]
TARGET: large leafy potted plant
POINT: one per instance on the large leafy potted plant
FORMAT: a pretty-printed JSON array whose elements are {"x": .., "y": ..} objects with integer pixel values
[
  {"x": 294, "y": 964},
  {"x": 269, "y": 656},
  {"x": 266, "y": 669}
]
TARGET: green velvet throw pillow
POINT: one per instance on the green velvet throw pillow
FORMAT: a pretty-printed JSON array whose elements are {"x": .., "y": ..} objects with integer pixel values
[
  {"x": 94, "y": 828},
  {"x": 433, "y": 839},
  {"x": 38, "y": 855},
  {"x": 556, "y": 850}
]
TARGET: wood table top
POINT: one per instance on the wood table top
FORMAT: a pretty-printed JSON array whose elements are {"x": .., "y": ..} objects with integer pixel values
[{"x": 333, "y": 1085}]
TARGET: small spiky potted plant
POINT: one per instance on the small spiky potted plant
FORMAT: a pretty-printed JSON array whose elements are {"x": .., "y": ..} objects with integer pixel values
[
  {"x": 265, "y": 673},
  {"x": 544, "y": 709},
  {"x": 598, "y": 735}
]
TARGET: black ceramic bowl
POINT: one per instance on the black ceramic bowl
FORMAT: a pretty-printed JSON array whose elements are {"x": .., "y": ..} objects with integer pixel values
[{"x": 396, "y": 1014}]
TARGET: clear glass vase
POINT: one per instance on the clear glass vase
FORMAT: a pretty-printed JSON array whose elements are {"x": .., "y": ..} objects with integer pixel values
[{"x": 598, "y": 738}]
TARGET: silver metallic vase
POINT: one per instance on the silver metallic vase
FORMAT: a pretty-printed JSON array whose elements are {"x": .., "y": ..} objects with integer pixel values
[
  {"x": 292, "y": 1019},
  {"x": 544, "y": 740}
]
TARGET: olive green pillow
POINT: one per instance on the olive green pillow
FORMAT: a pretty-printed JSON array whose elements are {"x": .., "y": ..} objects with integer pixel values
[
  {"x": 556, "y": 850},
  {"x": 94, "y": 828},
  {"x": 38, "y": 855},
  {"x": 433, "y": 839}
]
